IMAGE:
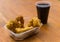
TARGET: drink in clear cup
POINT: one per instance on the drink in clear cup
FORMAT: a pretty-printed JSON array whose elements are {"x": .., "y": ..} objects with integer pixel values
[{"x": 43, "y": 10}]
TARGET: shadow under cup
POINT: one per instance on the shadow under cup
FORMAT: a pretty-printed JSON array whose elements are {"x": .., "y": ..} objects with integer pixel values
[{"x": 43, "y": 11}]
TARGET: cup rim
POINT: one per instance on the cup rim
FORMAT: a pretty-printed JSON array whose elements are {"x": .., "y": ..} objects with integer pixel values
[{"x": 40, "y": 2}]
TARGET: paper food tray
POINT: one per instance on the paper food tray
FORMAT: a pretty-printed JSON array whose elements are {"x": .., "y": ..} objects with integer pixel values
[{"x": 22, "y": 35}]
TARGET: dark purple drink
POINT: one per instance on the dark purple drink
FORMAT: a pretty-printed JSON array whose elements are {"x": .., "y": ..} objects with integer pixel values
[{"x": 43, "y": 11}]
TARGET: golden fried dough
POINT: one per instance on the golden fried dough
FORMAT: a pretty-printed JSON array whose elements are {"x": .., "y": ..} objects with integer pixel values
[
  {"x": 30, "y": 23},
  {"x": 12, "y": 25},
  {"x": 20, "y": 20},
  {"x": 17, "y": 25},
  {"x": 35, "y": 22},
  {"x": 20, "y": 30}
]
